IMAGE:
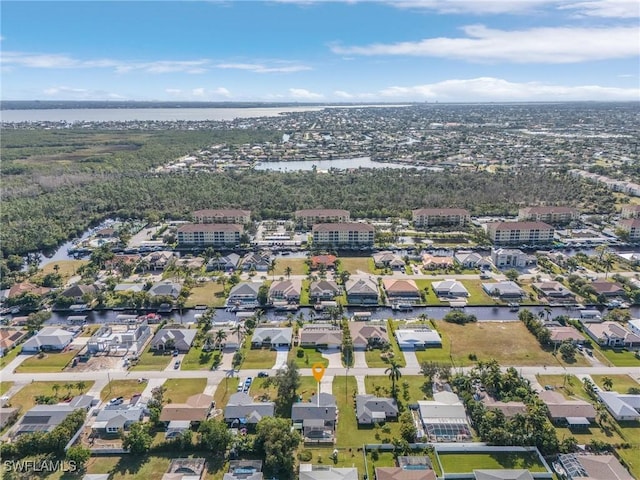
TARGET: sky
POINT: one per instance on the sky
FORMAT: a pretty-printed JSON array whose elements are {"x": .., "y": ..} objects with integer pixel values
[{"x": 321, "y": 51}]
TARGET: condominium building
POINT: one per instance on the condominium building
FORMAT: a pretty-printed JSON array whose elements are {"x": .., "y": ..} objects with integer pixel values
[
  {"x": 345, "y": 233},
  {"x": 514, "y": 233},
  {"x": 307, "y": 218},
  {"x": 631, "y": 226},
  {"x": 552, "y": 215},
  {"x": 228, "y": 215},
  {"x": 426, "y": 217},
  {"x": 630, "y": 211},
  {"x": 216, "y": 234}
]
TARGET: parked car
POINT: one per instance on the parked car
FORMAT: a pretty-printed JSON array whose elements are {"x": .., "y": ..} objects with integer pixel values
[
  {"x": 263, "y": 374},
  {"x": 175, "y": 353},
  {"x": 116, "y": 401},
  {"x": 177, "y": 364}
]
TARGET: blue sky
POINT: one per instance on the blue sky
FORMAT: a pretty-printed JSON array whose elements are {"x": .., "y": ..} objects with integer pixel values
[{"x": 320, "y": 51}]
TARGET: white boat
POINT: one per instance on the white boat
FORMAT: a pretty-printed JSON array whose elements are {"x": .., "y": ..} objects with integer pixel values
[{"x": 402, "y": 307}]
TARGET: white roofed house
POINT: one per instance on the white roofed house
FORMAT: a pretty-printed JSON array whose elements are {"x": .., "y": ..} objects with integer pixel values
[
  {"x": 285, "y": 291},
  {"x": 623, "y": 407},
  {"x": 259, "y": 262},
  {"x": 173, "y": 339},
  {"x": 444, "y": 418},
  {"x": 115, "y": 418},
  {"x": 272, "y": 337},
  {"x": 470, "y": 259},
  {"x": 505, "y": 290},
  {"x": 449, "y": 288},
  {"x": 362, "y": 291},
  {"x": 48, "y": 339},
  {"x": 417, "y": 338}
]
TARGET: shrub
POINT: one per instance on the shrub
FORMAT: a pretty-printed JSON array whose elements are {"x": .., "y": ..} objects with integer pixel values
[
  {"x": 300, "y": 353},
  {"x": 305, "y": 456}
]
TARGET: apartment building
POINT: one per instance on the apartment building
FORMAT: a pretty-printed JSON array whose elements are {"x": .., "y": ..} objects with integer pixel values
[
  {"x": 344, "y": 233},
  {"x": 307, "y": 218},
  {"x": 215, "y": 234},
  {"x": 229, "y": 215},
  {"x": 630, "y": 211},
  {"x": 552, "y": 215},
  {"x": 426, "y": 217},
  {"x": 514, "y": 233},
  {"x": 632, "y": 227}
]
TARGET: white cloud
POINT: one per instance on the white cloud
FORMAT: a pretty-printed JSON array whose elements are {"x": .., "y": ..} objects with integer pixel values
[
  {"x": 260, "y": 68},
  {"x": 71, "y": 93},
  {"x": 301, "y": 93},
  {"x": 222, "y": 91},
  {"x": 604, "y": 8},
  {"x": 342, "y": 94},
  {"x": 536, "y": 45},
  {"x": 173, "y": 91},
  {"x": 198, "y": 92},
  {"x": 500, "y": 90}
]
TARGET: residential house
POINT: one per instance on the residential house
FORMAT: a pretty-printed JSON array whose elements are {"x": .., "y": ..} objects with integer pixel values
[
  {"x": 119, "y": 260},
  {"x": 551, "y": 215},
  {"x": 320, "y": 336},
  {"x": 612, "y": 334},
  {"x": 175, "y": 428},
  {"x": 128, "y": 287},
  {"x": 579, "y": 466},
  {"x": 285, "y": 291},
  {"x": 366, "y": 335},
  {"x": 561, "y": 334},
  {"x": 48, "y": 339},
  {"x": 158, "y": 260},
  {"x": 210, "y": 234},
  {"x": 362, "y": 291},
  {"x": 324, "y": 472},
  {"x": 173, "y": 339},
  {"x": 244, "y": 294},
  {"x": 78, "y": 292},
  {"x": 244, "y": 470},
  {"x": 514, "y": 233},
  {"x": 504, "y": 474},
  {"x": 258, "y": 262},
  {"x": 449, "y": 288},
  {"x": 242, "y": 410},
  {"x": 509, "y": 409},
  {"x": 608, "y": 289},
  {"x": 554, "y": 292},
  {"x": 9, "y": 338},
  {"x": 272, "y": 337},
  {"x": 444, "y": 418},
  {"x": 388, "y": 259},
  {"x": 634, "y": 326},
  {"x": 371, "y": 409},
  {"x": 574, "y": 412},
  {"x": 227, "y": 263},
  {"x": 401, "y": 290},
  {"x": 630, "y": 211},
  {"x": 43, "y": 418},
  {"x": 427, "y": 217},
  {"x": 414, "y": 467},
  {"x": 323, "y": 290},
  {"x": 8, "y": 415},
  {"x": 510, "y": 258},
  {"x": 433, "y": 262},
  {"x": 623, "y": 407},
  {"x": 353, "y": 234},
  {"x": 119, "y": 338},
  {"x": 316, "y": 418},
  {"x": 470, "y": 259},
  {"x": 116, "y": 418},
  {"x": 632, "y": 227},
  {"x": 165, "y": 288},
  {"x": 186, "y": 469},
  {"x": 18, "y": 289},
  {"x": 195, "y": 410},
  {"x": 190, "y": 262},
  {"x": 327, "y": 262},
  {"x": 309, "y": 217},
  {"x": 506, "y": 290},
  {"x": 226, "y": 215},
  {"x": 417, "y": 338}
]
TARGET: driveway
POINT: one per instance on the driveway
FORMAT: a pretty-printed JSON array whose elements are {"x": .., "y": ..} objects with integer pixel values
[
  {"x": 334, "y": 356},
  {"x": 411, "y": 359},
  {"x": 359, "y": 360},
  {"x": 281, "y": 358}
]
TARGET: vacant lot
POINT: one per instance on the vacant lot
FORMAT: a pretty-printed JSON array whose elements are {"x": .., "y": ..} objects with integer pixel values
[
  {"x": 122, "y": 388},
  {"x": 380, "y": 385},
  {"x": 468, "y": 462},
  {"x": 196, "y": 359},
  {"x": 66, "y": 268},
  {"x": 5, "y": 387},
  {"x": 568, "y": 385},
  {"x": 621, "y": 383},
  {"x": 309, "y": 357},
  {"x": 477, "y": 295},
  {"x": 49, "y": 362},
  {"x": 150, "y": 360},
  {"x": 355, "y": 264},
  {"x": 296, "y": 265},
  {"x": 179, "y": 389},
  {"x": 258, "y": 358},
  {"x": 25, "y": 397},
  {"x": 210, "y": 294}
]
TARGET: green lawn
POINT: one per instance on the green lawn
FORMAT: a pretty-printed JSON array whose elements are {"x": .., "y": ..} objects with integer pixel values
[
  {"x": 122, "y": 388},
  {"x": 453, "y": 462},
  {"x": 150, "y": 360},
  {"x": 50, "y": 362},
  {"x": 380, "y": 385},
  {"x": 346, "y": 458},
  {"x": 8, "y": 358},
  {"x": 619, "y": 358},
  {"x": 311, "y": 356},
  {"x": 210, "y": 294},
  {"x": 258, "y": 358},
  {"x": 304, "y": 294},
  {"x": 353, "y": 264},
  {"x": 25, "y": 397},
  {"x": 5, "y": 387},
  {"x": 226, "y": 388},
  {"x": 89, "y": 330},
  {"x": 568, "y": 385},
  {"x": 66, "y": 268},
  {"x": 179, "y": 389},
  {"x": 621, "y": 383},
  {"x": 196, "y": 359},
  {"x": 425, "y": 287},
  {"x": 477, "y": 295},
  {"x": 297, "y": 265},
  {"x": 631, "y": 434}
]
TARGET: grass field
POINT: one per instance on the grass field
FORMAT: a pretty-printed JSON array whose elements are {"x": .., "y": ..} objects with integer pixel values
[
  {"x": 380, "y": 385},
  {"x": 619, "y": 358},
  {"x": 311, "y": 356},
  {"x": 477, "y": 295},
  {"x": 89, "y": 330},
  {"x": 425, "y": 287},
  {"x": 152, "y": 361},
  {"x": 122, "y": 388},
  {"x": 258, "y": 358},
  {"x": 9, "y": 357},
  {"x": 179, "y": 389},
  {"x": 25, "y": 397},
  {"x": 66, "y": 268},
  {"x": 196, "y": 359},
  {"x": 226, "y": 388},
  {"x": 510, "y": 343},
  {"x": 568, "y": 385},
  {"x": 621, "y": 383},
  {"x": 297, "y": 265},
  {"x": 468, "y": 462},
  {"x": 50, "y": 362},
  {"x": 209, "y": 294},
  {"x": 353, "y": 264},
  {"x": 5, "y": 387}
]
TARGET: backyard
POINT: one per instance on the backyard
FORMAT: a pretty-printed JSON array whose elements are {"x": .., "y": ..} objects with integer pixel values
[
  {"x": 380, "y": 386},
  {"x": 455, "y": 462}
]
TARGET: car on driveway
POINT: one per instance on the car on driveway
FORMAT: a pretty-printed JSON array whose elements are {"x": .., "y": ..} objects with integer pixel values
[
  {"x": 263, "y": 374},
  {"x": 176, "y": 365}
]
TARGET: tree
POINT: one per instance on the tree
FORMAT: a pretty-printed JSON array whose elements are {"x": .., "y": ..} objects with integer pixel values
[
  {"x": 277, "y": 441},
  {"x": 221, "y": 336},
  {"x": 512, "y": 274},
  {"x": 287, "y": 271},
  {"x": 394, "y": 374},
  {"x": 568, "y": 351},
  {"x": 214, "y": 436},
  {"x": 287, "y": 381},
  {"x": 80, "y": 386},
  {"x": 408, "y": 430},
  {"x": 79, "y": 455},
  {"x": 36, "y": 320},
  {"x": 607, "y": 383},
  {"x": 137, "y": 440},
  {"x": 56, "y": 388}
]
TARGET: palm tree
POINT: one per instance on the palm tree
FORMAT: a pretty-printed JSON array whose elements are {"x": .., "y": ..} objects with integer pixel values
[
  {"x": 608, "y": 262},
  {"x": 56, "y": 388},
  {"x": 238, "y": 330},
  {"x": 287, "y": 271},
  {"x": 607, "y": 383},
  {"x": 394, "y": 374},
  {"x": 68, "y": 387},
  {"x": 221, "y": 336},
  {"x": 272, "y": 268},
  {"x": 80, "y": 386}
]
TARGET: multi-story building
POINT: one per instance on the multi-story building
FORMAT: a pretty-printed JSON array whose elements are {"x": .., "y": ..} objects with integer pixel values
[
  {"x": 307, "y": 218},
  {"x": 632, "y": 227},
  {"x": 228, "y": 215},
  {"x": 343, "y": 234},
  {"x": 552, "y": 215},
  {"x": 630, "y": 211},
  {"x": 426, "y": 217},
  {"x": 215, "y": 234},
  {"x": 514, "y": 233}
]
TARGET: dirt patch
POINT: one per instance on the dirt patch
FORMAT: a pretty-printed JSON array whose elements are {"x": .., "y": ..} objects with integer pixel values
[{"x": 102, "y": 362}]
